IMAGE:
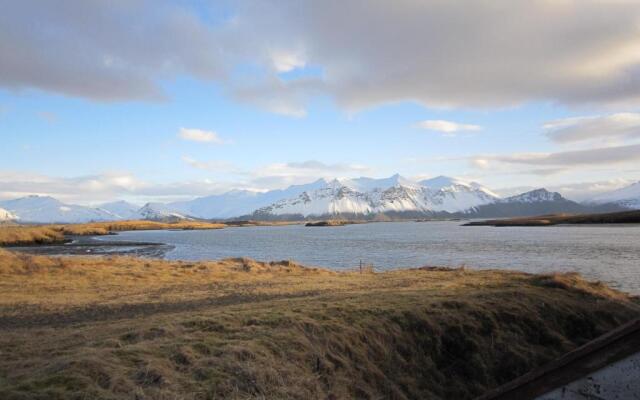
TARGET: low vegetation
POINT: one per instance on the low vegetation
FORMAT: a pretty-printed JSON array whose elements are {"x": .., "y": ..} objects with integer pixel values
[
  {"x": 624, "y": 217},
  {"x": 122, "y": 328},
  {"x": 259, "y": 223},
  {"x": 21, "y": 235},
  {"x": 29, "y": 235},
  {"x": 333, "y": 222}
]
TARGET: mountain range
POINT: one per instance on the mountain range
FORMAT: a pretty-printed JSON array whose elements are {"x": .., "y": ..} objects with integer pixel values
[{"x": 362, "y": 198}]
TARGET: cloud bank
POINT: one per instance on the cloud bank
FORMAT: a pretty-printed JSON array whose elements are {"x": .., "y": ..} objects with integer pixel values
[
  {"x": 620, "y": 126},
  {"x": 437, "y": 53},
  {"x": 94, "y": 189}
]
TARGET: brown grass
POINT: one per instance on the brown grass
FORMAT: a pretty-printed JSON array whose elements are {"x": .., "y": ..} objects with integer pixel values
[
  {"x": 122, "y": 328},
  {"x": 333, "y": 222},
  {"x": 20, "y": 235},
  {"x": 27, "y": 235}
]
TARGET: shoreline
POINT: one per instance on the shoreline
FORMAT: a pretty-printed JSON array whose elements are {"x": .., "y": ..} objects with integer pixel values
[
  {"x": 623, "y": 217},
  {"x": 92, "y": 245}
]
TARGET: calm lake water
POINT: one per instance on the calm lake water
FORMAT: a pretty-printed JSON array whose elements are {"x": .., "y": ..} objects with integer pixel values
[{"x": 610, "y": 253}]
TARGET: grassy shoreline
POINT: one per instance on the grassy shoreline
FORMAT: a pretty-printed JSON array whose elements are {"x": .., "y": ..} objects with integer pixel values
[
  {"x": 110, "y": 327},
  {"x": 624, "y": 217},
  {"x": 24, "y": 235}
]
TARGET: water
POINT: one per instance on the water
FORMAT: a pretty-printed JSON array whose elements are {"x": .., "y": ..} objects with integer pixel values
[{"x": 609, "y": 253}]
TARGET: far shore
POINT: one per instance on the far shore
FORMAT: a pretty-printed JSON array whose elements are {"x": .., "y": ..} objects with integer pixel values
[{"x": 624, "y": 217}]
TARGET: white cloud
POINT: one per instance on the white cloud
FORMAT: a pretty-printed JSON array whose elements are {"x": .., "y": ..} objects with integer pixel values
[
  {"x": 275, "y": 95},
  {"x": 286, "y": 61},
  {"x": 446, "y": 127},
  {"x": 620, "y": 126},
  {"x": 480, "y": 163},
  {"x": 199, "y": 135}
]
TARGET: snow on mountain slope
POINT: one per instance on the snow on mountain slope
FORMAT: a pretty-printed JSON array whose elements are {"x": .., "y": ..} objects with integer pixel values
[
  {"x": 368, "y": 184},
  {"x": 627, "y": 196},
  {"x": 159, "y": 212},
  {"x": 121, "y": 209},
  {"x": 442, "y": 182},
  {"x": 6, "y": 215},
  {"x": 535, "y": 196},
  {"x": 394, "y": 194},
  {"x": 239, "y": 202},
  {"x": 332, "y": 199},
  {"x": 46, "y": 209}
]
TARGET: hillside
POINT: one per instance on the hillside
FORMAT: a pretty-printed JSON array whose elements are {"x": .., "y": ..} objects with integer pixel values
[{"x": 235, "y": 329}]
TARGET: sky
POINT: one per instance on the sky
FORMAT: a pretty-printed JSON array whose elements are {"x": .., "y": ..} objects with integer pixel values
[{"x": 167, "y": 100}]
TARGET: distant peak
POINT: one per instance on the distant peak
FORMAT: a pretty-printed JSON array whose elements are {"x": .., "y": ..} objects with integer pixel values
[
  {"x": 36, "y": 198},
  {"x": 442, "y": 181},
  {"x": 537, "y": 195},
  {"x": 539, "y": 190},
  {"x": 364, "y": 184}
]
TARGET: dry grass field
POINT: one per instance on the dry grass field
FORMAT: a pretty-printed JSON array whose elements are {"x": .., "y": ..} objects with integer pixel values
[
  {"x": 15, "y": 235},
  {"x": 127, "y": 328}
]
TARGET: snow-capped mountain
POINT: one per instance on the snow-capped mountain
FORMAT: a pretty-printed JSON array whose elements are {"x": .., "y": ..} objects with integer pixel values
[
  {"x": 159, "y": 211},
  {"x": 537, "y": 202},
  {"x": 535, "y": 196},
  {"x": 627, "y": 197},
  {"x": 238, "y": 202},
  {"x": 394, "y": 195},
  {"x": 121, "y": 209},
  {"x": 6, "y": 215},
  {"x": 46, "y": 209}
]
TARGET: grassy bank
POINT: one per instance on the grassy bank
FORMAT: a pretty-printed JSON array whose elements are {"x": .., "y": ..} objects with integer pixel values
[
  {"x": 21, "y": 235},
  {"x": 334, "y": 222},
  {"x": 121, "y": 328},
  {"x": 624, "y": 217}
]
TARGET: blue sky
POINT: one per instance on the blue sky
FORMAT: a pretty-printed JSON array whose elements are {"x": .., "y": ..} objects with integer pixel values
[{"x": 98, "y": 110}]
